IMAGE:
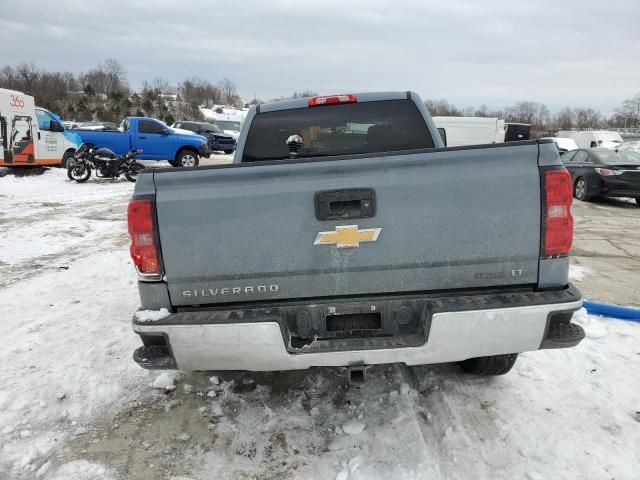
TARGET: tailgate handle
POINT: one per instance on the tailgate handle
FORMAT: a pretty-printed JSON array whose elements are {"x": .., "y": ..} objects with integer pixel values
[{"x": 345, "y": 204}]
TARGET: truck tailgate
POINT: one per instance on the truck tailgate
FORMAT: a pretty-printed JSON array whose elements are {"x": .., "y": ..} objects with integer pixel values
[{"x": 450, "y": 219}]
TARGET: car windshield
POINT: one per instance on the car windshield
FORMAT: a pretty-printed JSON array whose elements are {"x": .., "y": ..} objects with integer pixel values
[
  {"x": 228, "y": 125},
  {"x": 345, "y": 129},
  {"x": 619, "y": 157}
]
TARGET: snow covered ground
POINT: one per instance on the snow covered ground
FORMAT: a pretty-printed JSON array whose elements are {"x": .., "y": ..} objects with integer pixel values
[
  {"x": 74, "y": 406},
  {"x": 633, "y": 145}
]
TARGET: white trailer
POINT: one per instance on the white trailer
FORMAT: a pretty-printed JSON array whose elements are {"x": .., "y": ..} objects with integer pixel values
[{"x": 459, "y": 131}]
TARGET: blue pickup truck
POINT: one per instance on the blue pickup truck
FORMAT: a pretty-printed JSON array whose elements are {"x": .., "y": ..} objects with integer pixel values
[{"x": 158, "y": 141}]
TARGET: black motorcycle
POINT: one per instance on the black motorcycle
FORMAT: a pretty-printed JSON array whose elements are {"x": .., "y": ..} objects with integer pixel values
[{"x": 105, "y": 163}]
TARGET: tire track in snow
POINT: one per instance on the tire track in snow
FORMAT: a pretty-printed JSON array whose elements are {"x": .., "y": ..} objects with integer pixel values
[{"x": 84, "y": 243}]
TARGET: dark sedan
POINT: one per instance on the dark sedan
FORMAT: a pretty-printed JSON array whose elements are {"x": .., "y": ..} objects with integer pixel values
[
  {"x": 600, "y": 172},
  {"x": 218, "y": 140}
]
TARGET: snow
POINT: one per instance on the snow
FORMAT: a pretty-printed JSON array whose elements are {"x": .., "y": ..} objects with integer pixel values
[
  {"x": 633, "y": 145},
  {"x": 66, "y": 293},
  {"x": 74, "y": 406},
  {"x": 165, "y": 381},
  {"x": 577, "y": 273},
  {"x": 82, "y": 470},
  {"x": 353, "y": 427},
  {"x": 151, "y": 315}
]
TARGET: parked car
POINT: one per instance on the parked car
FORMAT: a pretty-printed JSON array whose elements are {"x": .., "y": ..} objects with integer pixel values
[
  {"x": 218, "y": 140},
  {"x": 230, "y": 127},
  {"x": 335, "y": 239},
  {"x": 157, "y": 141},
  {"x": 600, "y": 172},
  {"x": 594, "y": 139},
  {"x": 32, "y": 136},
  {"x": 563, "y": 144},
  {"x": 460, "y": 131}
]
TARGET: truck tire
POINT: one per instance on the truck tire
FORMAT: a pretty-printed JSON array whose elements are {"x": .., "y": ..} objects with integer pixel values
[
  {"x": 67, "y": 155},
  {"x": 187, "y": 158},
  {"x": 581, "y": 189},
  {"x": 493, "y": 365}
]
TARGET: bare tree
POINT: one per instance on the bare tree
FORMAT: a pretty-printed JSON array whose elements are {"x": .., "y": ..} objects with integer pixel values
[
  {"x": 305, "y": 94},
  {"x": 442, "y": 108},
  {"x": 229, "y": 91},
  {"x": 564, "y": 119},
  {"x": 588, "y": 118},
  {"x": 630, "y": 109}
]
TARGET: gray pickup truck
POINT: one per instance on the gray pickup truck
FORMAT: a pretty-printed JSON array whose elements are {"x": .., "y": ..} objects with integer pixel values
[{"x": 346, "y": 234}]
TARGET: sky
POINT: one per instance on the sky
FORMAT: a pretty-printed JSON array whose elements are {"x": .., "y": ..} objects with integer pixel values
[{"x": 493, "y": 52}]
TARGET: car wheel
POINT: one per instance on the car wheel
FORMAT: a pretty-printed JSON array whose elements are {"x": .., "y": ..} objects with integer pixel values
[
  {"x": 580, "y": 190},
  {"x": 187, "y": 158},
  {"x": 493, "y": 365},
  {"x": 65, "y": 159}
]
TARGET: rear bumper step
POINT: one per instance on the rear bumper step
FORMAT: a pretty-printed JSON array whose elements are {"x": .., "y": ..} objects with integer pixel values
[
  {"x": 562, "y": 334},
  {"x": 154, "y": 358},
  {"x": 412, "y": 330}
]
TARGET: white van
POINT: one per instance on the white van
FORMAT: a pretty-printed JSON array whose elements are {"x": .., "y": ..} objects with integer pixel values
[
  {"x": 30, "y": 135},
  {"x": 459, "y": 131},
  {"x": 596, "y": 138}
]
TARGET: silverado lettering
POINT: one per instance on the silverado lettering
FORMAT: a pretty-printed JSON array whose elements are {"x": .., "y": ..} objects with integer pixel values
[{"x": 212, "y": 292}]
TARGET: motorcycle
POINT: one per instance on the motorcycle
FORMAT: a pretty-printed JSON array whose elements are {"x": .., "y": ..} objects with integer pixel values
[{"x": 105, "y": 163}]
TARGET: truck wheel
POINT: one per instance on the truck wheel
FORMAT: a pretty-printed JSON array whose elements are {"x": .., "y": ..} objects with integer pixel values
[
  {"x": 493, "y": 365},
  {"x": 580, "y": 190},
  {"x": 65, "y": 158},
  {"x": 187, "y": 158}
]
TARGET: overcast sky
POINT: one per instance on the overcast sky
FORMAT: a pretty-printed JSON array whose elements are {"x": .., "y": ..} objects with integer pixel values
[{"x": 578, "y": 53}]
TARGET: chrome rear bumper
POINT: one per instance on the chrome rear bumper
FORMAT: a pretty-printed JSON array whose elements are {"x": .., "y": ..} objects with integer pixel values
[{"x": 452, "y": 336}]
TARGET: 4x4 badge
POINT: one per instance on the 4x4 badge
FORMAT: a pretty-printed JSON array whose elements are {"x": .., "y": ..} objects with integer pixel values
[{"x": 347, "y": 236}]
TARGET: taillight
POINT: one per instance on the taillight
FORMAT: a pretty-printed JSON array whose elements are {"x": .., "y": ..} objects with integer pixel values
[
  {"x": 332, "y": 100},
  {"x": 144, "y": 251},
  {"x": 557, "y": 221}
]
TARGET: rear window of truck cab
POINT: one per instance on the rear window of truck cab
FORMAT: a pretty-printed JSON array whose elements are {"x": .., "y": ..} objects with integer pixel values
[{"x": 342, "y": 129}]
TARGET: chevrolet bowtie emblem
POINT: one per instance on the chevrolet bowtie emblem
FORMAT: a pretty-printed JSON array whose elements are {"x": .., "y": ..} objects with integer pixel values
[{"x": 347, "y": 236}]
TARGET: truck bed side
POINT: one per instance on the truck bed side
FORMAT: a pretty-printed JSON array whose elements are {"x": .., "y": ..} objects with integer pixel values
[{"x": 119, "y": 142}]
